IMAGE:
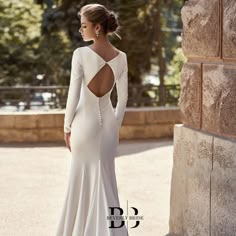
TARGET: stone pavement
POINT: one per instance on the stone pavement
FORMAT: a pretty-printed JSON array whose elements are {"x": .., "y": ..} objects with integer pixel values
[{"x": 33, "y": 181}]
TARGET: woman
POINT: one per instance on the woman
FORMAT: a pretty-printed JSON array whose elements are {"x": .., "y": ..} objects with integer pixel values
[{"x": 91, "y": 128}]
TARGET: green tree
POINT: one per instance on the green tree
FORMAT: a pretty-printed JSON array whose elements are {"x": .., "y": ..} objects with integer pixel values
[
  {"x": 39, "y": 38},
  {"x": 19, "y": 29},
  {"x": 25, "y": 53},
  {"x": 175, "y": 67}
]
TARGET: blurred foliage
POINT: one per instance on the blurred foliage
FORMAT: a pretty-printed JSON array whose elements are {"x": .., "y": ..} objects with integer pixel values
[
  {"x": 19, "y": 29},
  {"x": 139, "y": 30},
  {"x": 175, "y": 67},
  {"x": 25, "y": 52},
  {"x": 38, "y": 37}
]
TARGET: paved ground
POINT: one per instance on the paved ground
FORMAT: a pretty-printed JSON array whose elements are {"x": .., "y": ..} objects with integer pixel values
[{"x": 33, "y": 181}]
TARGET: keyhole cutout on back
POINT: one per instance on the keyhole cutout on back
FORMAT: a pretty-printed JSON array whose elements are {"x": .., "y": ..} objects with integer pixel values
[{"x": 102, "y": 82}]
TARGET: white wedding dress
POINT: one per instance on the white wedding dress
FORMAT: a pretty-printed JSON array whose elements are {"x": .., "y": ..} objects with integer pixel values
[{"x": 94, "y": 127}]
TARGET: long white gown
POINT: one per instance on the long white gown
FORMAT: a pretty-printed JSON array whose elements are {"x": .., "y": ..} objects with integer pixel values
[{"x": 94, "y": 127}]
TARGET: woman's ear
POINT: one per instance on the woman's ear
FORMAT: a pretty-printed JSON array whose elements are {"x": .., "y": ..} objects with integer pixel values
[{"x": 98, "y": 27}]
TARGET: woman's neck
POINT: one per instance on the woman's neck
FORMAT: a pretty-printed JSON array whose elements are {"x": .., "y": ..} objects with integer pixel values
[{"x": 102, "y": 42}]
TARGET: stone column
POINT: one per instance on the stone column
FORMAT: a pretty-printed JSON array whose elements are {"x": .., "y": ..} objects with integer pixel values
[{"x": 203, "y": 186}]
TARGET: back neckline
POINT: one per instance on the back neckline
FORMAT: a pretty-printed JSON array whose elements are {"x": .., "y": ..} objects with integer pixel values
[{"x": 102, "y": 58}]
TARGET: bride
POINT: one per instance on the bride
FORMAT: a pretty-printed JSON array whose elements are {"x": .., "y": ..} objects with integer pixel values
[{"x": 91, "y": 129}]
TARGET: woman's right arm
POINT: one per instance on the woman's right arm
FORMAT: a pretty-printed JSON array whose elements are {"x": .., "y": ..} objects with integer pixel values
[
  {"x": 74, "y": 90},
  {"x": 122, "y": 93}
]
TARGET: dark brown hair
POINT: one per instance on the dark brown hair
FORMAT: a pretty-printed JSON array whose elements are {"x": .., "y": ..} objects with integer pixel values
[{"x": 99, "y": 14}]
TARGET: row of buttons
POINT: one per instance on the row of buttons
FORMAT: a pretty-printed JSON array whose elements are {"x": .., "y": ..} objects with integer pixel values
[{"x": 100, "y": 115}]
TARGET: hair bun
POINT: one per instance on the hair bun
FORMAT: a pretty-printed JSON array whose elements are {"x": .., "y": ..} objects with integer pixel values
[{"x": 112, "y": 22}]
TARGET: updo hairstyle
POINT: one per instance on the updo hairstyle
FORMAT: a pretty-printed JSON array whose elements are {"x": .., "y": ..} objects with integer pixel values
[{"x": 99, "y": 14}]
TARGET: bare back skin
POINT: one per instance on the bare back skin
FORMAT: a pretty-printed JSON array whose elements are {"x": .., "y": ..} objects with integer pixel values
[{"x": 103, "y": 81}]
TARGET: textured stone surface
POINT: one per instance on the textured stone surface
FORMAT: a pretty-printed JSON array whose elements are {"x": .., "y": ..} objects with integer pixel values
[
  {"x": 201, "y": 28},
  {"x": 229, "y": 29},
  {"x": 190, "y": 185},
  {"x": 190, "y": 95},
  {"x": 203, "y": 188},
  {"x": 223, "y": 182},
  {"x": 219, "y": 103}
]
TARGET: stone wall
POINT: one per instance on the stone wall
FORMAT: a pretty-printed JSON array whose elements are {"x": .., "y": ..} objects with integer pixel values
[
  {"x": 138, "y": 123},
  {"x": 203, "y": 188}
]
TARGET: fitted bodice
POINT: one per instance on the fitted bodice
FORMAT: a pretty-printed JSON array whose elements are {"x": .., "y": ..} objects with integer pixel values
[{"x": 92, "y": 81}]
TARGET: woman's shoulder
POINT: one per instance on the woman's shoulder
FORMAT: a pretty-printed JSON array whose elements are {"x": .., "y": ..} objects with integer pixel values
[
  {"x": 120, "y": 51},
  {"x": 82, "y": 53},
  {"x": 78, "y": 49},
  {"x": 82, "y": 48}
]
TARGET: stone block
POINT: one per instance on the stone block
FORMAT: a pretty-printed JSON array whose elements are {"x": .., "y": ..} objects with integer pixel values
[
  {"x": 138, "y": 123},
  {"x": 16, "y": 135},
  {"x": 51, "y": 134},
  {"x": 7, "y": 121},
  {"x": 59, "y": 120},
  {"x": 201, "y": 28},
  {"x": 158, "y": 130},
  {"x": 190, "y": 184},
  {"x": 146, "y": 131},
  {"x": 229, "y": 29},
  {"x": 219, "y": 103},
  {"x": 46, "y": 120},
  {"x": 223, "y": 185},
  {"x": 190, "y": 95},
  {"x": 25, "y": 121},
  {"x": 134, "y": 117},
  {"x": 164, "y": 115}
]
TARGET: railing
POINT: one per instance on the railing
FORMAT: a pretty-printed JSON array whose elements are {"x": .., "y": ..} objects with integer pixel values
[
  {"x": 153, "y": 95},
  {"x": 139, "y": 95},
  {"x": 32, "y": 96}
]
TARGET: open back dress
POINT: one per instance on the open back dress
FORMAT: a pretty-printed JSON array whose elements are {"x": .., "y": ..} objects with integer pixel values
[{"x": 94, "y": 127}]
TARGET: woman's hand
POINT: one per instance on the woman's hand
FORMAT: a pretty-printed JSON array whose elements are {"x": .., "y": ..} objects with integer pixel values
[{"x": 67, "y": 140}]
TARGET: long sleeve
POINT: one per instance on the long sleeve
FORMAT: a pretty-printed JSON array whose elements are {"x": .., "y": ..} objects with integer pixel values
[
  {"x": 74, "y": 90},
  {"x": 122, "y": 93}
]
